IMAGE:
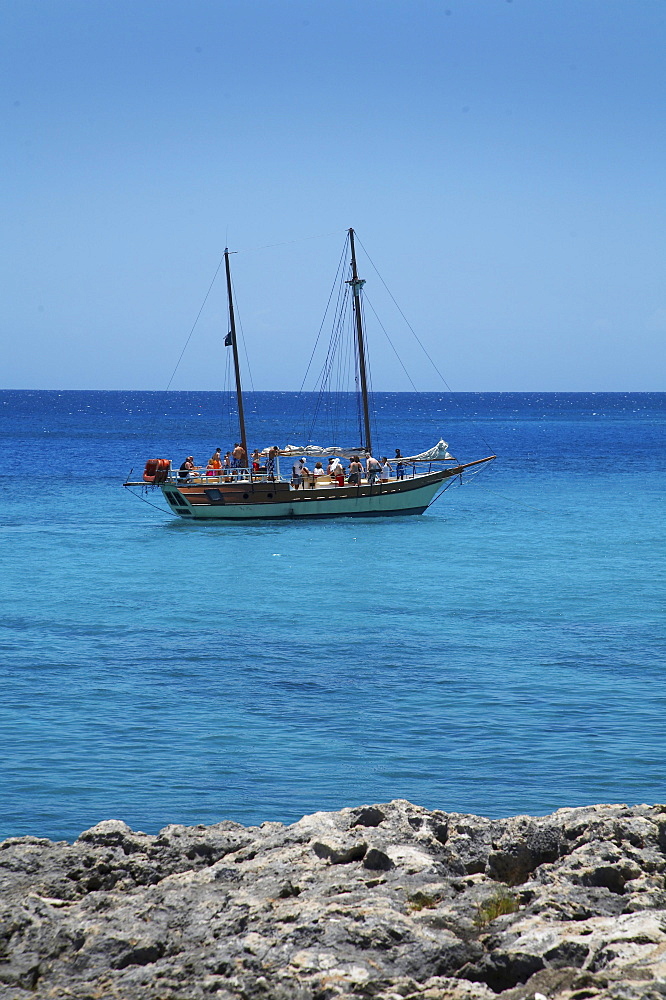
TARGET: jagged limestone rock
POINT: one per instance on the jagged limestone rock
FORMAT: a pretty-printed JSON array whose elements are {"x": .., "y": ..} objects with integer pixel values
[{"x": 387, "y": 901}]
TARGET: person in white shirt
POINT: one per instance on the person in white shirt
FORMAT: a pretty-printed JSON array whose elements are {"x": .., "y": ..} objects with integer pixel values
[
  {"x": 318, "y": 470},
  {"x": 298, "y": 472},
  {"x": 386, "y": 470}
]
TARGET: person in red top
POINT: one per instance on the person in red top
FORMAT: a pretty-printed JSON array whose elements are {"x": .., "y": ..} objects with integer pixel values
[{"x": 214, "y": 463}]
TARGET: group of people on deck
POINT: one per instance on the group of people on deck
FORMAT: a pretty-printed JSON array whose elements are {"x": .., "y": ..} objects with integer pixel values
[
  {"x": 375, "y": 469},
  {"x": 218, "y": 465},
  {"x": 222, "y": 465},
  {"x": 301, "y": 476}
]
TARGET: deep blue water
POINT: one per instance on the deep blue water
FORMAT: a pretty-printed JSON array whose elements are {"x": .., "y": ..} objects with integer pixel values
[{"x": 503, "y": 653}]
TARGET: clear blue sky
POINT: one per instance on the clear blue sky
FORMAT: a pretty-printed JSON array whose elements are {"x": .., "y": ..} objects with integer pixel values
[{"x": 502, "y": 162}]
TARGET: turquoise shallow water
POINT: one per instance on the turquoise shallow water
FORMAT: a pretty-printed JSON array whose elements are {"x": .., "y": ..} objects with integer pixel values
[{"x": 503, "y": 653}]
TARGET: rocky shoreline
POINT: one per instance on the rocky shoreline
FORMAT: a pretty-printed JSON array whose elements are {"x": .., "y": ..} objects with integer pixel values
[{"x": 387, "y": 901}]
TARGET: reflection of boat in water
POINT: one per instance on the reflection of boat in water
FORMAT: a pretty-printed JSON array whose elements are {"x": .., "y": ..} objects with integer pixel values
[{"x": 255, "y": 494}]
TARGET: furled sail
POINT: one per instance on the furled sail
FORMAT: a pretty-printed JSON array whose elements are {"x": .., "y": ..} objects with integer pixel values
[
  {"x": 313, "y": 450},
  {"x": 438, "y": 453}
]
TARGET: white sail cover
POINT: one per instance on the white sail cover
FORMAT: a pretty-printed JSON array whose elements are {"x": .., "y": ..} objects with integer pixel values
[
  {"x": 438, "y": 453},
  {"x": 290, "y": 450}
]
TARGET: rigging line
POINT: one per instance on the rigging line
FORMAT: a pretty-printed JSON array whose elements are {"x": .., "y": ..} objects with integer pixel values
[
  {"x": 371, "y": 393},
  {"x": 405, "y": 318},
  {"x": 463, "y": 482},
  {"x": 342, "y": 379},
  {"x": 194, "y": 324},
  {"x": 366, "y": 299},
  {"x": 329, "y": 382},
  {"x": 338, "y": 380},
  {"x": 333, "y": 287},
  {"x": 321, "y": 378},
  {"x": 324, "y": 378},
  {"x": 321, "y": 382},
  {"x": 287, "y": 243},
  {"x": 143, "y": 500},
  {"x": 443, "y": 491},
  {"x": 357, "y": 387},
  {"x": 418, "y": 341},
  {"x": 227, "y": 395},
  {"x": 240, "y": 324}
]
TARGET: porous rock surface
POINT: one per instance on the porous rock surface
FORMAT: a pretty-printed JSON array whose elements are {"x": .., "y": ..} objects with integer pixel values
[{"x": 388, "y": 901}]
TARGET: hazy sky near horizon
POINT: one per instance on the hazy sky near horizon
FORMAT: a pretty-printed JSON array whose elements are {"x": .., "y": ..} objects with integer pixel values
[{"x": 501, "y": 160}]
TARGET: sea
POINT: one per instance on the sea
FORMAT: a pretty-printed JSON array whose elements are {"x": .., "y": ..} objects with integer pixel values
[{"x": 503, "y": 653}]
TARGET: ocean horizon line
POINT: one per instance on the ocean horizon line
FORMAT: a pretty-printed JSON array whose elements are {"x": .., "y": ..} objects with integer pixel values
[{"x": 375, "y": 392}]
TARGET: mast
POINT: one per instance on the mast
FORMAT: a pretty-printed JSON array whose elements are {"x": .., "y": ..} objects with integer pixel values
[
  {"x": 231, "y": 339},
  {"x": 357, "y": 284}
]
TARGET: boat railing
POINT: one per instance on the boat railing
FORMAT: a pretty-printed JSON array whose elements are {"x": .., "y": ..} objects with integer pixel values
[
  {"x": 203, "y": 475},
  {"x": 211, "y": 477}
]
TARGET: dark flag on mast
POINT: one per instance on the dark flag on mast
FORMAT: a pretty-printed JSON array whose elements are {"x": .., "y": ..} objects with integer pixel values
[{"x": 229, "y": 339}]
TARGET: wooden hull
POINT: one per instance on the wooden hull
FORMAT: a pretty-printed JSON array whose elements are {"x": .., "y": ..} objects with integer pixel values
[{"x": 202, "y": 501}]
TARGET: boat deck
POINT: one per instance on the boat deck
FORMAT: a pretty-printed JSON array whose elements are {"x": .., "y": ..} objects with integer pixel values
[
  {"x": 321, "y": 482},
  {"x": 245, "y": 478}
]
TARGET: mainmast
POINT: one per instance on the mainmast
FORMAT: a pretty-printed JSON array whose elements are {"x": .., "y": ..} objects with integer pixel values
[
  {"x": 231, "y": 340},
  {"x": 357, "y": 285}
]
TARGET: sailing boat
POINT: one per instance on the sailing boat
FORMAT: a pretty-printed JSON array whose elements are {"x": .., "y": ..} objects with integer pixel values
[{"x": 244, "y": 494}]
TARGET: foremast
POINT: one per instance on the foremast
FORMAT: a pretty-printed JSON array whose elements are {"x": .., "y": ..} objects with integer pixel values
[
  {"x": 357, "y": 284},
  {"x": 230, "y": 340}
]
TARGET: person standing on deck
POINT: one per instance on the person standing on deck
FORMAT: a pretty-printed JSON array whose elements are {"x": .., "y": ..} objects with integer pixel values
[
  {"x": 399, "y": 468},
  {"x": 240, "y": 458},
  {"x": 270, "y": 461},
  {"x": 372, "y": 469},
  {"x": 336, "y": 471},
  {"x": 355, "y": 471},
  {"x": 297, "y": 470},
  {"x": 386, "y": 470}
]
